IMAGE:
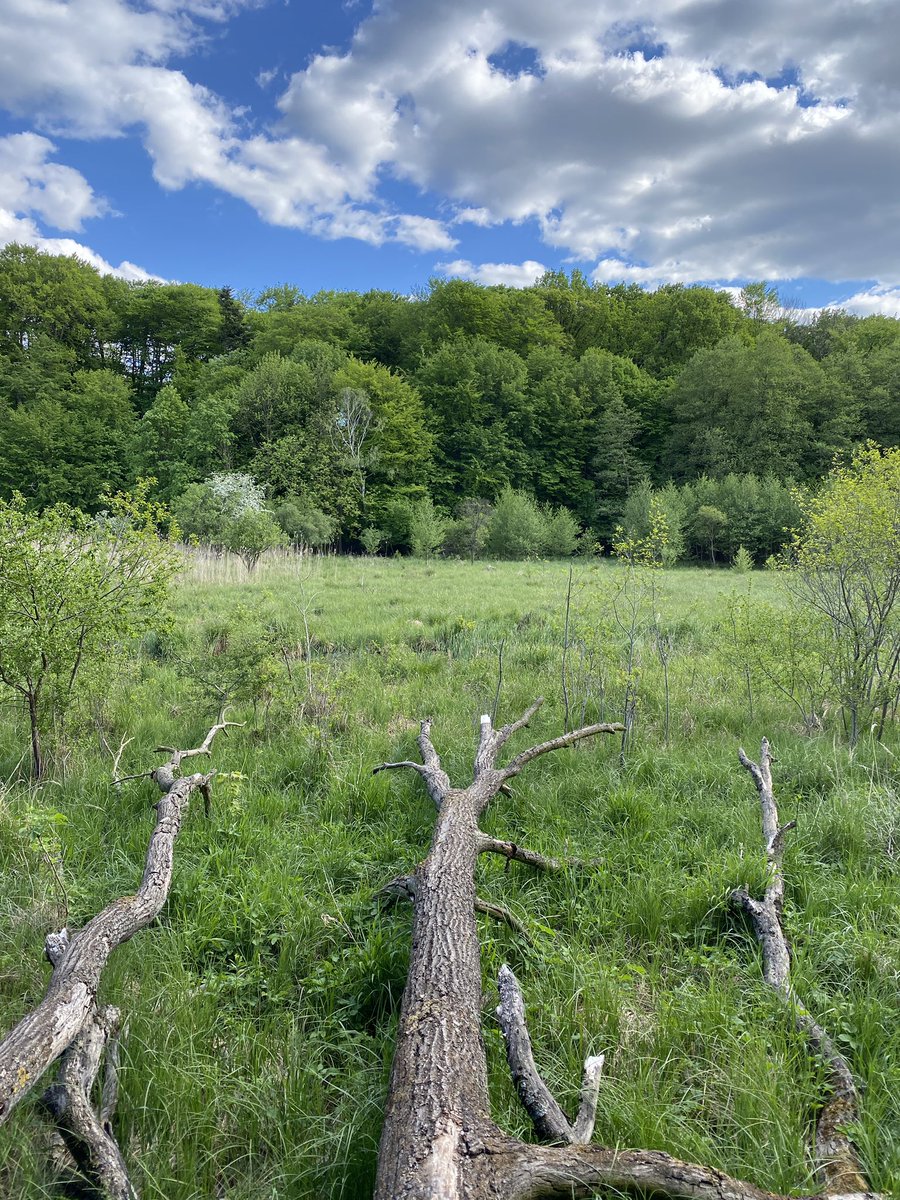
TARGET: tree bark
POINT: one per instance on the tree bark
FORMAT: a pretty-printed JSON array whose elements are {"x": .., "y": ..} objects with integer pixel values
[
  {"x": 68, "y": 1019},
  {"x": 840, "y": 1171},
  {"x": 438, "y": 1141}
]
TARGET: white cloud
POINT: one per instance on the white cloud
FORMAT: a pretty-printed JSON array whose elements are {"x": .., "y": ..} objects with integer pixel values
[
  {"x": 881, "y": 300},
  {"x": 516, "y": 275},
  {"x": 31, "y": 186},
  {"x": 652, "y": 147},
  {"x": 685, "y": 161},
  {"x": 29, "y": 183},
  {"x": 14, "y": 228}
]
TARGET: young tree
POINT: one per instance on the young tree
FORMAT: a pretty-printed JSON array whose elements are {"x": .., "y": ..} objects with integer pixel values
[
  {"x": 71, "y": 590},
  {"x": 427, "y": 528},
  {"x": 468, "y": 533},
  {"x": 351, "y": 431},
  {"x": 845, "y": 563},
  {"x": 229, "y": 513}
]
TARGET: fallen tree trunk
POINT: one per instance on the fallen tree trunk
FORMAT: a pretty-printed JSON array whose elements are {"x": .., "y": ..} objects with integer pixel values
[
  {"x": 438, "y": 1141},
  {"x": 68, "y": 1018}
]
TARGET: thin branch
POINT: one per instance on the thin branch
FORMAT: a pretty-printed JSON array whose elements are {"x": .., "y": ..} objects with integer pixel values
[
  {"x": 507, "y": 731},
  {"x": 566, "y": 739},
  {"x": 550, "y": 1122},
  {"x": 511, "y": 850},
  {"x": 499, "y": 680},
  {"x": 502, "y": 914},
  {"x": 839, "y": 1167}
]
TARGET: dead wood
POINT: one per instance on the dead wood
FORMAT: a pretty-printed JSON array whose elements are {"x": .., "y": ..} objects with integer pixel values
[
  {"x": 438, "y": 1140},
  {"x": 68, "y": 1018},
  {"x": 840, "y": 1171}
]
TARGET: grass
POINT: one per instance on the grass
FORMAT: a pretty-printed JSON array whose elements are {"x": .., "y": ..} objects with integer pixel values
[{"x": 262, "y": 1004}]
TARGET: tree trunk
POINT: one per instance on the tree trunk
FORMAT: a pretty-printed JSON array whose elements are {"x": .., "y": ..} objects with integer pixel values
[
  {"x": 37, "y": 758},
  {"x": 438, "y": 1141}
]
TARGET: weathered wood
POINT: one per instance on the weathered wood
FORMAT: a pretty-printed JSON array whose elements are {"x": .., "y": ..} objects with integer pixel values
[
  {"x": 43, "y": 1034},
  {"x": 88, "y": 1134},
  {"x": 840, "y": 1171},
  {"x": 550, "y": 1122},
  {"x": 438, "y": 1140}
]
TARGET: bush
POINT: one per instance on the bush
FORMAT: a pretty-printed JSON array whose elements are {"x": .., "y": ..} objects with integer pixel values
[
  {"x": 227, "y": 512},
  {"x": 845, "y": 565},
  {"x": 305, "y": 526},
  {"x": 517, "y": 527},
  {"x": 427, "y": 528},
  {"x": 467, "y": 535}
]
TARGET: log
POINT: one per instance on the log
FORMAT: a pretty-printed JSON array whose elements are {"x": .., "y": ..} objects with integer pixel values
[
  {"x": 439, "y": 1141},
  {"x": 839, "y": 1168}
]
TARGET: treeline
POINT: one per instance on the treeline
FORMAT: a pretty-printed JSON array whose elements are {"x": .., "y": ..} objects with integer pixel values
[{"x": 354, "y": 410}]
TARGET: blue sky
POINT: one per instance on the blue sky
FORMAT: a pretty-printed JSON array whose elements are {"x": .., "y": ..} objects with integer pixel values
[{"x": 362, "y": 145}]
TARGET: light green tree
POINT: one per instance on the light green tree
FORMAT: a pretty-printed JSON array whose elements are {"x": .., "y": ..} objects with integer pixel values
[
  {"x": 72, "y": 590},
  {"x": 844, "y": 562}
]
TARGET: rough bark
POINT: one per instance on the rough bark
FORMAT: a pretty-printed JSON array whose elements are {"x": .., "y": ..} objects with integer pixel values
[
  {"x": 87, "y": 1133},
  {"x": 68, "y": 1015},
  {"x": 438, "y": 1140},
  {"x": 839, "y": 1168}
]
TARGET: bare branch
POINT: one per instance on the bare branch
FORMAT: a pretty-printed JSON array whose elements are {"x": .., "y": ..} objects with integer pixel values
[
  {"x": 507, "y": 731},
  {"x": 511, "y": 850},
  {"x": 550, "y": 1122},
  {"x": 566, "y": 739},
  {"x": 436, "y": 779},
  {"x": 580, "y": 1172},
  {"x": 499, "y": 913},
  {"x": 839, "y": 1166},
  {"x": 89, "y": 1137},
  {"x": 78, "y": 962}
]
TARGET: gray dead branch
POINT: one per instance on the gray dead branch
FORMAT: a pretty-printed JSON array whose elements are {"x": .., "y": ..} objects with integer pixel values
[{"x": 68, "y": 1021}]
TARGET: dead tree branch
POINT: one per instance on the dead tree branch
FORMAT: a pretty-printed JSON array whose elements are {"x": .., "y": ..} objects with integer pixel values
[
  {"x": 838, "y": 1163},
  {"x": 438, "y": 1141},
  {"x": 88, "y": 1135},
  {"x": 517, "y": 853},
  {"x": 549, "y": 1120},
  {"x": 68, "y": 1018}
]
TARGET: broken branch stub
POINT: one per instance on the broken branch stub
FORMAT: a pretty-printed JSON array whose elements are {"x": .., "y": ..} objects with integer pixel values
[{"x": 840, "y": 1171}]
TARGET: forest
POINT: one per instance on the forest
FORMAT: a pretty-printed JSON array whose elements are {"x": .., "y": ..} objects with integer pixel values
[{"x": 398, "y": 423}]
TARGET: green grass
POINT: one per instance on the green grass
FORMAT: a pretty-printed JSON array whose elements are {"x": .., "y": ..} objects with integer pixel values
[{"x": 262, "y": 1004}]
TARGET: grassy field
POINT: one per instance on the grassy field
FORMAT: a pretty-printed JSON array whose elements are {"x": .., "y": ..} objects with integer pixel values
[{"x": 261, "y": 1006}]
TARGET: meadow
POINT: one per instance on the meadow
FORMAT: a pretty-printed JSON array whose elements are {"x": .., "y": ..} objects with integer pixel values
[{"x": 261, "y": 1006}]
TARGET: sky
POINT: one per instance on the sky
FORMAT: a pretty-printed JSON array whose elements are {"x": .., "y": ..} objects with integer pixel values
[{"x": 363, "y": 145}]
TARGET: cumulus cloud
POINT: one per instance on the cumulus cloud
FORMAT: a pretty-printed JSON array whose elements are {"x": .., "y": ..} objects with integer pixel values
[
  {"x": 516, "y": 275},
  {"x": 692, "y": 141},
  {"x": 15, "y": 228},
  {"x": 31, "y": 186},
  {"x": 695, "y": 141}
]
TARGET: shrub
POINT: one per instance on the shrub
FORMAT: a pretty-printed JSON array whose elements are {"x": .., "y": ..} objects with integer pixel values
[
  {"x": 427, "y": 528},
  {"x": 516, "y": 528}
]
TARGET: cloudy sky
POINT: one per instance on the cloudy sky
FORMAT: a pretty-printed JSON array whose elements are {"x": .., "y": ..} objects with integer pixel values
[{"x": 357, "y": 145}]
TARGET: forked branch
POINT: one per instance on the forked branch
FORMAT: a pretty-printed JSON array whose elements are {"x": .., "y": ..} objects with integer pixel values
[
  {"x": 840, "y": 1171},
  {"x": 550, "y": 1122},
  {"x": 78, "y": 962}
]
